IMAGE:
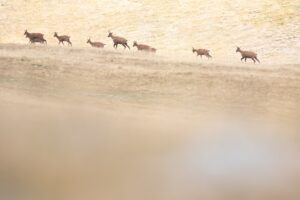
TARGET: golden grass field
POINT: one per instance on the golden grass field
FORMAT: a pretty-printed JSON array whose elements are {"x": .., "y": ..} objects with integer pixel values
[
  {"x": 83, "y": 123},
  {"x": 109, "y": 79},
  {"x": 269, "y": 27}
]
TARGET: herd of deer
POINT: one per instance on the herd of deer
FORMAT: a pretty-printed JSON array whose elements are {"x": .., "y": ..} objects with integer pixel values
[{"x": 39, "y": 38}]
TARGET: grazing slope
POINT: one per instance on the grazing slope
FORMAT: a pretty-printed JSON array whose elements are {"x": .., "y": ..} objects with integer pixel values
[{"x": 143, "y": 80}]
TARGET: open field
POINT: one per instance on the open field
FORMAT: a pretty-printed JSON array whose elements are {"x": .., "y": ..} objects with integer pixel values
[
  {"x": 114, "y": 80},
  {"x": 81, "y": 123},
  {"x": 78, "y": 123}
]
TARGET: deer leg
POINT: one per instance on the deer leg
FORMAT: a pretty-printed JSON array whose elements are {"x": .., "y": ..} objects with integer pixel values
[
  {"x": 257, "y": 59},
  {"x": 242, "y": 59},
  {"x": 253, "y": 60},
  {"x": 70, "y": 43},
  {"x": 124, "y": 46},
  {"x": 127, "y": 45}
]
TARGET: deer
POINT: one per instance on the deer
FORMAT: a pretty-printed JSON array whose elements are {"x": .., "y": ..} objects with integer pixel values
[
  {"x": 118, "y": 40},
  {"x": 62, "y": 39},
  {"x": 95, "y": 44},
  {"x": 32, "y": 36},
  {"x": 248, "y": 54},
  {"x": 38, "y": 40},
  {"x": 202, "y": 52},
  {"x": 144, "y": 47}
]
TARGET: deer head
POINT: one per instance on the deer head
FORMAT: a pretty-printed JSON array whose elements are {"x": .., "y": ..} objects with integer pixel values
[
  {"x": 110, "y": 34},
  {"x": 134, "y": 44}
]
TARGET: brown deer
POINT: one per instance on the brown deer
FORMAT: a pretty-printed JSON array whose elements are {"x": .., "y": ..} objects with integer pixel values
[
  {"x": 62, "y": 39},
  {"x": 95, "y": 44},
  {"x": 32, "y": 36},
  {"x": 247, "y": 54},
  {"x": 118, "y": 40},
  {"x": 202, "y": 52},
  {"x": 37, "y": 40},
  {"x": 143, "y": 47}
]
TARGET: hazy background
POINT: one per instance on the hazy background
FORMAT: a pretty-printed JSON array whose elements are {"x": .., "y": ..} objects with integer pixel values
[{"x": 270, "y": 27}]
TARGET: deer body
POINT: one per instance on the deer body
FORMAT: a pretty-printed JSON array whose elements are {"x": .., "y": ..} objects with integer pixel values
[
  {"x": 38, "y": 40},
  {"x": 95, "y": 44},
  {"x": 118, "y": 40},
  {"x": 143, "y": 47},
  {"x": 34, "y": 36},
  {"x": 153, "y": 50},
  {"x": 63, "y": 38},
  {"x": 248, "y": 54},
  {"x": 202, "y": 52}
]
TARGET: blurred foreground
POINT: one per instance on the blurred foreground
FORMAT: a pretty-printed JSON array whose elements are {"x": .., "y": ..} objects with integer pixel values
[{"x": 90, "y": 124}]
